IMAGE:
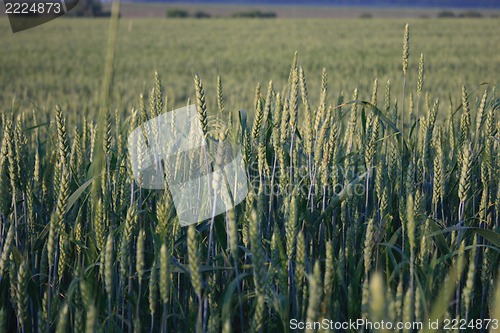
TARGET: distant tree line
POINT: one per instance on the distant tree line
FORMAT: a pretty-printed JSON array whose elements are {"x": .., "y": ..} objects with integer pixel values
[
  {"x": 254, "y": 14},
  {"x": 443, "y": 14},
  {"x": 182, "y": 13},
  {"x": 467, "y": 13}
]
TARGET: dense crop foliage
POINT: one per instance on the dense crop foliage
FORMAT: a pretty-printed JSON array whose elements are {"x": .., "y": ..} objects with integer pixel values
[{"x": 384, "y": 208}]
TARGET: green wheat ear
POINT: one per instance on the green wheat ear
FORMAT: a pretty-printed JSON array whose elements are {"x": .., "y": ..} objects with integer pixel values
[
  {"x": 23, "y": 277},
  {"x": 63, "y": 319},
  {"x": 194, "y": 263},
  {"x": 377, "y": 298},
  {"x": 314, "y": 295},
  {"x": 420, "y": 81},
  {"x": 108, "y": 265},
  {"x": 201, "y": 106},
  {"x": 164, "y": 273},
  {"x": 220, "y": 95}
]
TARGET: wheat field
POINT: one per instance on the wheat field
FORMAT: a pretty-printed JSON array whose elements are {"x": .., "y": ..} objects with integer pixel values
[{"x": 384, "y": 208}]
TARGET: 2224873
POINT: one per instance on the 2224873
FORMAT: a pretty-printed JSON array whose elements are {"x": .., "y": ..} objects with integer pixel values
[{"x": 34, "y": 8}]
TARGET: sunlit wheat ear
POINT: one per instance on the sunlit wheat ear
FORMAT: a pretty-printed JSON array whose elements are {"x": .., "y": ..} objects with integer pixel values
[
  {"x": 399, "y": 298},
  {"x": 353, "y": 119},
  {"x": 285, "y": 122},
  {"x": 79, "y": 322},
  {"x": 107, "y": 137},
  {"x": 491, "y": 130},
  {"x": 257, "y": 95},
  {"x": 411, "y": 223},
  {"x": 420, "y": 80},
  {"x": 481, "y": 114},
  {"x": 232, "y": 229},
  {"x": 276, "y": 271},
  {"x": 471, "y": 273},
  {"x": 378, "y": 302},
  {"x": 62, "y": 322},
  {"x": 201, "y": 106},
  {"x": 319, "y": 147},
  {"x": 99, "y": 225},
  {"x": 294, "y": 99},
  {"x": 51, "y": 240},
  {"x": 372, "y": 143},
  {"x": 140, "y": 255},
  {"x": 320, "y": 115},
  {"x": 408, "y": 308},
  {"x": 465, "y": 120},
  {"x": 13, "y": 162},
  {"x": 153, "y": 288},
  {"x": 246, "y": 221},
  {"x": 465, "y": 173},
  {"x": 384, "y": 202},
  {"x": 406, "y": 49},
  {"x": 226, "y": 326},
  {"x": 62, "y": 135},
  {"x": 368, "y": 246},
  {"x": 328, "y": 151},
  {"x": 23, "y": 277},
  {"x": 257, "y": 320},
  {"x": 90, "y": 322},
  {"x": 130, "y": 223},
  {"x": 278, "y": 110},
  {"x": 431, "y": 120},
  {"x": 379, "y": 180},
  {"x": 165, "y": 205},
  {"x": 158, "y": 107},
  {"x": 63, "y": 252},
  {"x": 220, "y": 95},
  {"x": 109, "y": 263},
  {"x": 41, "y": 320},
  {"x": 409, "y": 185},
  {"x": 374, "y": 92},
  {"x": 268, "y": 106},
  {"x": 295, "y": 64},
  {"x": 315, "y": 293},
  {"x": 300, "y": 260},
  {"x": 152, "y": 103},
  {"x": 258, "y": 120},
  {"x": 194, "y": 263},
  {"x": 258, "y": 258},
  {"x": 307, "y": 112},
  {"x": 329, "y": 278},
  {"x": 4, "y": 259},
  {"x": 438, "y": 185},
  {"x": 164, "y": 273},
  {"x": 93, "y": 134},
  {"x": 387, "y": 97},
  {"x": 142, "y": 110},
  {"x": 291, "y": 227}
]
